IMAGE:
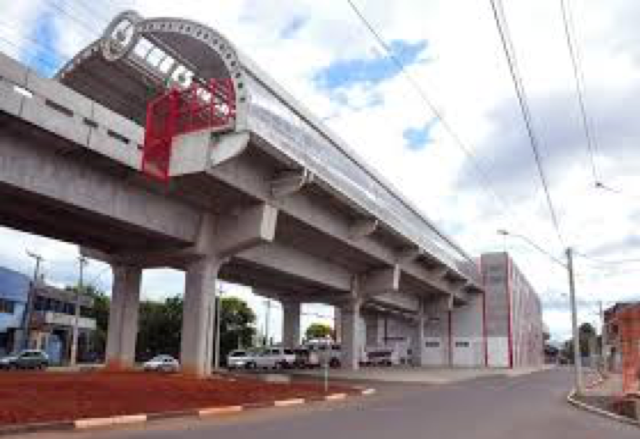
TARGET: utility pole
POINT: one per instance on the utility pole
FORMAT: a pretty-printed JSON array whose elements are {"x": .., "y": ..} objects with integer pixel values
[
  {"x": 28, "y": 308},
  {"x": 74, "y": 341},
  {"x": 574, "y": 324}
]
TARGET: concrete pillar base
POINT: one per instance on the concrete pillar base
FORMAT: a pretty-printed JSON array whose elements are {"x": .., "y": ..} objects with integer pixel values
[
  {"x": 418, "y": 348},
  {"x": 123, "y": 317},
  {"x": 352, "y": 338},
  {"x": 198, "y": 324},
  {"x": 291, "y": 326}
]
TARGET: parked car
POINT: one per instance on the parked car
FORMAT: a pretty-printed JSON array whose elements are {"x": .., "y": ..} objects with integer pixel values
[
  {"x": 162, "y": 363},
  {"x": 242, "y": 359},
  {"x": 381, "y": 357},
  {"x": 27, "y": 359},
  {"x": 305, "y": 358},
  {"x": 275, "y": 358},
  {"x": 327, "y": 352}
]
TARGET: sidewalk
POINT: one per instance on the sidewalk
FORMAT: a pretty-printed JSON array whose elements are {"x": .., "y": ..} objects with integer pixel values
[{"x": 424, "y": 375}]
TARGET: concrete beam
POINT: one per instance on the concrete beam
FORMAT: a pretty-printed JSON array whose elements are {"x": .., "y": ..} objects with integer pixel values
[
  {"x": 363, "y": 228},
  {"x": 290, "y": 182},
  {"x": 298, "y": 264},
  {"x": 253, "y": 177},
  {"x": 246, "y": 229},
  {"x": 224, "y": 236},
  {"x": 196, "y": 152},
  {"x": 405, "y": 302},
  {"x": 31, "y": 165},
  {"x": 408, "y": 255},
  {"x": 382, "y": 281},
  {"x": 459, "y": 291}
]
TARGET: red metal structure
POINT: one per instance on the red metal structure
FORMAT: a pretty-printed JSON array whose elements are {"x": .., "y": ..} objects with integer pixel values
[{"x": 178, "y": 112}]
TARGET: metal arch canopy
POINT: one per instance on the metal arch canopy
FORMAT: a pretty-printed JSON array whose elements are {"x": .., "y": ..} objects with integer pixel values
[{"x": 138, "y": 59}]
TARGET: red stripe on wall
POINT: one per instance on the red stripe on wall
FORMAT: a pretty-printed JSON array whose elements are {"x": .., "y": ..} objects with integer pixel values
[{"x": 510, "y": 328}]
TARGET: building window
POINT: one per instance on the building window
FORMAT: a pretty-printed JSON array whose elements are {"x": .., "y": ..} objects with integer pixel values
[
  {"x": 432, "y": 344},
  {"x": 7, "y": 306},
  {"x": 462, "y": 344}
]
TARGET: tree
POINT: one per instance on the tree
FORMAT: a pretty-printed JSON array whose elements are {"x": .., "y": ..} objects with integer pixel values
[
  {"x": 237, "y": 328},
  {"x": 318, "y": 330},
  {"x": 586, "y": 333},
  {"x": 159, "y": 328}
]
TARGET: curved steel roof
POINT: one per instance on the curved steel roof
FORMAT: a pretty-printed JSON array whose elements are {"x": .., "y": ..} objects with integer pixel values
[{"x": 137, "y": 59}]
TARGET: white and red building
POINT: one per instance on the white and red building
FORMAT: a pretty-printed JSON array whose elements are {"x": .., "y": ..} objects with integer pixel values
[{"x": 501, "y": 328}]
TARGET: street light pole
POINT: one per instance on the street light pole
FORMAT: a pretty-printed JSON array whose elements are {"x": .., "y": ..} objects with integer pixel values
[
  {"x": 74, "y": 342},
  {"x": 28, "y": 308},
  {"x": 574, "y": 323}
]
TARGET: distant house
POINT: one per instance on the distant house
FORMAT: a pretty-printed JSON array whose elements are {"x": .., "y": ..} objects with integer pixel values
[
  {"x": 52, "y": 318},
  {"x": 14, "y": 287},
  {"x": 612, "y": 333}
]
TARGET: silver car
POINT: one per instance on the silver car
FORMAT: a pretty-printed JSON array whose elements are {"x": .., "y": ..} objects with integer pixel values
[
  {"x": 242, "y": 359},
  {"x": 162, "y": 363}
]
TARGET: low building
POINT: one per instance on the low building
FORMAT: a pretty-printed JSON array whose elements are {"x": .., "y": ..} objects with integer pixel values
[
  {"x": 622, "y": 343},
  {"x": 514, "y": 328},
  {"x": 14, "y": 288},
  {"x": 502, "y": 327},
  {"x": 612, "y": 334},
  {"x": 52, "y": 318}
]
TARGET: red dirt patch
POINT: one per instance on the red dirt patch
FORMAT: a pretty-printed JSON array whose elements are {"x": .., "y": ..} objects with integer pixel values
[{"x": 27, "y": 397}]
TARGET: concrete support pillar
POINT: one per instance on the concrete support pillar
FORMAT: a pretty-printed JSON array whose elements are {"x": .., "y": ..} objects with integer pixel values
[
  {"x": 352, "y": 337},
  {"x": 419, "y": 349},
  {"x": 337, "y": 323},
  {"x": 198, "y": 324},
  {"x": 291, "y": 323},
  {"x": 123, "y": 317}
]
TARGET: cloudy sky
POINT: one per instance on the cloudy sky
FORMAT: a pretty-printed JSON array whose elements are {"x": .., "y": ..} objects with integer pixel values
[{"x": 323, "y": 54}]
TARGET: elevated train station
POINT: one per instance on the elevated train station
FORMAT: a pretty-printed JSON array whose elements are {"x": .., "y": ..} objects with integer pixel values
[{"x": 161, "y": 145}]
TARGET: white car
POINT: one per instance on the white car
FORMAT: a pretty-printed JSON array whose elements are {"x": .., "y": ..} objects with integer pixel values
[
  {"x": 327, "y": 351},
  {"x": 162, "y": 363},
  {"x": 242, "y": 359},
  {"x": 275, "y": 358}
]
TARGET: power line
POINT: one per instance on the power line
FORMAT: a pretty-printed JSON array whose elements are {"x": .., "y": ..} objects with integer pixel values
[
  {"x": 507, "y": 45},
  {"x": 97, "y": 12},
  {"x": 422, "y": 94},
  {"x": 90, "y": 30},
  {"x": 609, "y": 262},
  {"x": 578, "y": 76},
  {"x": 33, "y": 54}
]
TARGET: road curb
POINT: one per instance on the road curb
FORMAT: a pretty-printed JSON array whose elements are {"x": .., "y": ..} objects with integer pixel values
[
  {"x": 571, "y": 399},
  {"x": 87, "y": 424}
]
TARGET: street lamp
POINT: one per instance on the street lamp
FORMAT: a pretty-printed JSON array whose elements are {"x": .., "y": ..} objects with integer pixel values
[{"x": 572, "y": 299}]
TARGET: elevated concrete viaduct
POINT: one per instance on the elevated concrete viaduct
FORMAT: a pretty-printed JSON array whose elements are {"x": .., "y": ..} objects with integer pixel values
[{"x": 261, "y": 194}]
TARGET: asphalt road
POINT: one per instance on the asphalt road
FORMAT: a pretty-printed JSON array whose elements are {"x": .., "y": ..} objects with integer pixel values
[{"x": 489, "y": 408}]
